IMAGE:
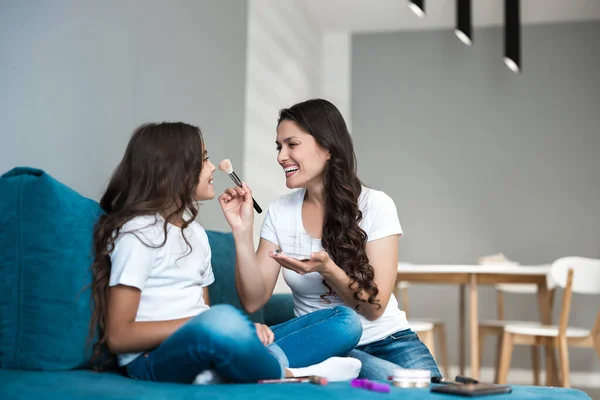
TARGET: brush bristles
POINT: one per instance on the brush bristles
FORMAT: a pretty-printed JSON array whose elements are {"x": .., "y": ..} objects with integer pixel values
[{"x": 226, "y": 166}]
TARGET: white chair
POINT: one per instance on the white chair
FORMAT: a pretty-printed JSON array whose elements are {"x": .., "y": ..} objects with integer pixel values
[
  {"x": 574, "y": 274},
  {"x": 425, "y": 329},
  {"x": 495, "y": 327}
]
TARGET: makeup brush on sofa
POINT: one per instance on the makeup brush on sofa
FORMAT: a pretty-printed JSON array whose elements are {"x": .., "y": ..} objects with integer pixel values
[{"x": 226, "y": 167}]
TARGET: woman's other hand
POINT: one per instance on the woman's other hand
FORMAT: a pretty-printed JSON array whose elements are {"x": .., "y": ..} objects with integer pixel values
[{"x": 318, "y": 262}]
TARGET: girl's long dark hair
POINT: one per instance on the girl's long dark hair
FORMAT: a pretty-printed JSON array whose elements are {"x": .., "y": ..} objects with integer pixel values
[
  {"x": 343, "y": 239},
  {"x": 159, "y": 173}
]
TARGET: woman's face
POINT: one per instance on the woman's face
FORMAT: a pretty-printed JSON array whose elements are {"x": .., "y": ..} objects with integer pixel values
[{"x": 303, "y": 160}]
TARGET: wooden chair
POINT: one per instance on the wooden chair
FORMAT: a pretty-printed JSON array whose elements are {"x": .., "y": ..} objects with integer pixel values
[
  {"x": 425, "y": 329},
  {"x": 574, "y": 274},
  {"x": 495, "y": 327}
]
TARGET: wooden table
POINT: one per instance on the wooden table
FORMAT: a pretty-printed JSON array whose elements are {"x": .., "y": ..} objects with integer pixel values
[{"x": 474, "y": 275}]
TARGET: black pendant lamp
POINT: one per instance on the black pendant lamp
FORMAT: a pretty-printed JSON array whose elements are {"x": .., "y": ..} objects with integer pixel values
[
  {"x": 512, "y": 35},
  {"x": 464, "y": 27},
  {"x": 417, "y": 6}
]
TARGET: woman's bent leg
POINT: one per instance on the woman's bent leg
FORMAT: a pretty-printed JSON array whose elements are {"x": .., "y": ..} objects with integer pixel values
[
  {"x": 221, "y": 339},
  {"x": 314, "y": 337},
  {"x": 373, "y": 368},
  {"x": 399, "y": 350}
]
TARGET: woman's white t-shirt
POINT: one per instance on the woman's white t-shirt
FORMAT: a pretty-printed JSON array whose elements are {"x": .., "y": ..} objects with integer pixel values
[
  {"x": 283, "y": 227},
  {"x": 170, "y": 277}
]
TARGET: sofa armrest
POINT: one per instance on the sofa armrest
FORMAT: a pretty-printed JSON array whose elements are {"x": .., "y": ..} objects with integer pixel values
[{"x": 279, "y": 309}]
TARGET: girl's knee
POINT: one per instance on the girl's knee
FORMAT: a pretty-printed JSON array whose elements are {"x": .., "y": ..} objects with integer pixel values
[
  {"x": 221, "y": 322},
  {"x": 225, "y": 312},
  {"x": 218, "y": 313},
  {"x": 350, "y": 320},
  {"x": 345, "y": 312}
]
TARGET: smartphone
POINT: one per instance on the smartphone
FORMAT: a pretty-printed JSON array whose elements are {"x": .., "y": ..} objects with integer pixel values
[
  {"x": 299, "y": 257},
  {"x": 472, "y": 389}
]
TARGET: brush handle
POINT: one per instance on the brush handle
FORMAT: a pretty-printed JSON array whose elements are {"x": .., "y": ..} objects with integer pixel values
[
  {"x": 235, "y": 178},
  {"x": 256, "y": 206},
  {"x": 238, "y": 182}
]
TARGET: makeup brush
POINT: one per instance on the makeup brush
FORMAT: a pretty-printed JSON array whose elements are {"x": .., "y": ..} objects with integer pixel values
[{"x": 226, "y": 167}]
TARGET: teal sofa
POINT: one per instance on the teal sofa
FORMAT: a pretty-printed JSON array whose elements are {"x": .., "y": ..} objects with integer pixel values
[{"x": 45, "y": 242}]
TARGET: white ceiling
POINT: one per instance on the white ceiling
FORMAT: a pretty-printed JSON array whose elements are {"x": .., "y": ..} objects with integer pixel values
[{"x": 385, "y": 15}]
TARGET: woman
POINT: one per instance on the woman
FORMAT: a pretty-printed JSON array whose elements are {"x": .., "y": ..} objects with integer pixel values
[{"x": 336, "y": 240}]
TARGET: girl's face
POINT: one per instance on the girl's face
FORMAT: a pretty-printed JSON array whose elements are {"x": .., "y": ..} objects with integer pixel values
[
  {"x": 303, "y": 160},
  {"x": 205, "y": 189}
]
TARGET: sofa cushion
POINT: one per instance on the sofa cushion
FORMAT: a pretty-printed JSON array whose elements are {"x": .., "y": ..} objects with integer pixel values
[
  {"x": 45, "y": 259},
  {"x": 279, "y": 309},
  {"x": 35, "y": 385},
  {"x": 223, "y": 289}
]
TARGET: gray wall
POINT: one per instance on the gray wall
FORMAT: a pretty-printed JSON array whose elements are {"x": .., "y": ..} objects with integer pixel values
[
  {"x": 481, "y": 160},
  {"x": 77, "y": 77}
]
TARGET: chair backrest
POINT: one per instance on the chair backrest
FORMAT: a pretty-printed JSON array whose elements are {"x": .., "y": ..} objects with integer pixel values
[
  {"x": 402, "y": 296},
  {"x": 521, "y": 288},
  {"x": 586, "y": 274}
]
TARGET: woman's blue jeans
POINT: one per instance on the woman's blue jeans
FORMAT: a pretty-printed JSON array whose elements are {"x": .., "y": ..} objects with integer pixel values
[
  {"x": 225, "y": 340},
  {"x": 402, "y": 349}
]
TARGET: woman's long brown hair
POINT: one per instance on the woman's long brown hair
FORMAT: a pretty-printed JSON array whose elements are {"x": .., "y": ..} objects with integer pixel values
[
  {"x": 158, "y": 174},
  {"x": 343, "y": 239}
]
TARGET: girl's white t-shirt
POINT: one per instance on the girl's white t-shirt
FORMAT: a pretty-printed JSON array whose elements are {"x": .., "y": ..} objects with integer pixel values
[
  {"x": 171, "y": 278},
  {"x": 283, "y": 227}
]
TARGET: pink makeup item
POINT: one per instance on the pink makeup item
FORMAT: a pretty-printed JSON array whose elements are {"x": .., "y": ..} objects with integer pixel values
[
  {"x": 370, "y": 385},
  {"x": 317, "y": 380},
  {"x": 227, "y": 167}
]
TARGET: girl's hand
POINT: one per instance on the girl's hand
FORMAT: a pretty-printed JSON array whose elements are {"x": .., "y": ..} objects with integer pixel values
[
  {"x": 318, "y": 262},
  {"x": 237, "y": 206},
  {"x": 265, "y": 334}
]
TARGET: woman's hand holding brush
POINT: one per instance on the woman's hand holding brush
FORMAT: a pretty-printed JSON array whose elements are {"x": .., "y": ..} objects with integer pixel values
[
  {"x": 237, "y": 202},
  {"x": 237, "y": 206},
  {"x": 227, "y": 167}
]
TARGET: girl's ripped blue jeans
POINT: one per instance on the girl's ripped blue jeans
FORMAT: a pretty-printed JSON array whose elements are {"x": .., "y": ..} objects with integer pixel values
[
  {"x": 402, "y": 349},
  {"x": 225, "y": 340}
]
